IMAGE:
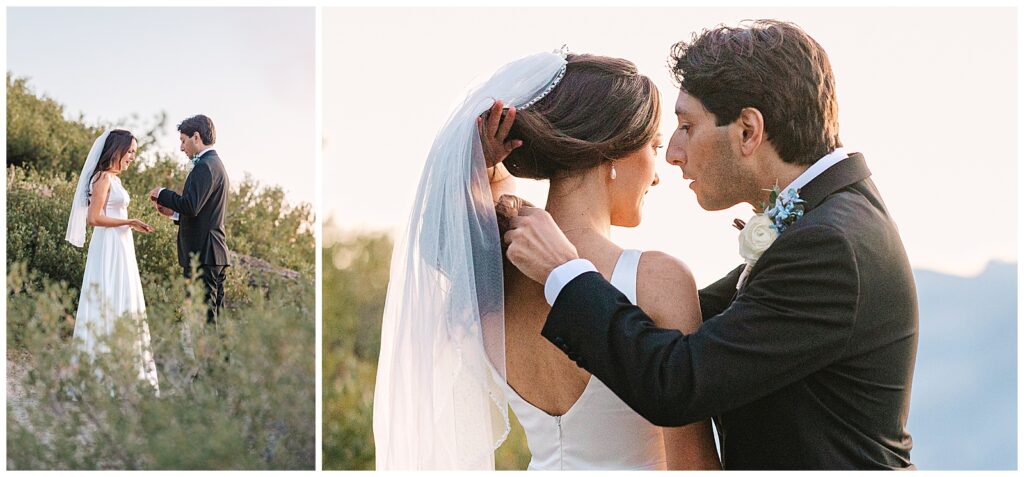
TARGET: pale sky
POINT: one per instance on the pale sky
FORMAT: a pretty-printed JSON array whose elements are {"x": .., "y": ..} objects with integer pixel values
[
  {"x": 251, "y": 70},
  {"x": 928, "y": 95}
]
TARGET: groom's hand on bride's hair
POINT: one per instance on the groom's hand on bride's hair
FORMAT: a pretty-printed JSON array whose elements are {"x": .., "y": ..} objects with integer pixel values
[
  {"x": 493, "y": 128},
  {"x": 507, "y": 207},
  {"x": 536, "y": 245}
]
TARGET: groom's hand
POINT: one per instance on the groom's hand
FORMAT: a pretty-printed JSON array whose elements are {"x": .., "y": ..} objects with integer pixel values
[
  {"x": 536, "y": 244},
  {"x": 153, "y": 194},
  {"x": 164, "y": 211}
]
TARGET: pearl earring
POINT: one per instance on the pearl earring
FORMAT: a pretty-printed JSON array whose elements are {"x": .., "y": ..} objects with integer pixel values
[{"x": 613, "y": 172}]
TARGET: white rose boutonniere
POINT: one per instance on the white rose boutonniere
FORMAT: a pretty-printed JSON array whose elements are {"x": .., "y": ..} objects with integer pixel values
[
  {"x": 756, "y": 237},
  {"x": 761, "y": 231}
]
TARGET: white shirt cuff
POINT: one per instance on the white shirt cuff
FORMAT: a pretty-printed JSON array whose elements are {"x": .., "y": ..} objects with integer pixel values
[{"x": 563, "y": 274}]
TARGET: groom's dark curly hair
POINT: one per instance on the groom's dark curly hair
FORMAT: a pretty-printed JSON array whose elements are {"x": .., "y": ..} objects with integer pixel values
[
  {"x": 199, "y": 124},
  {"x": 772, "y": 66}
]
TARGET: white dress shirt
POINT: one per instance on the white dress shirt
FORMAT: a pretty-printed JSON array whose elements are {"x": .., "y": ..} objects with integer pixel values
[{"x": 566, "y": 272}]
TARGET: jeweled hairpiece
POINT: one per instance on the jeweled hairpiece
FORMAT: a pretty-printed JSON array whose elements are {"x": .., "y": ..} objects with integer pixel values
[{"x": 564, "y": 52}]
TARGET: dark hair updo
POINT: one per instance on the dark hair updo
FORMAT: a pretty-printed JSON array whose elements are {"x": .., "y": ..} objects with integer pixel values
[{"x": 603, "y": 109}]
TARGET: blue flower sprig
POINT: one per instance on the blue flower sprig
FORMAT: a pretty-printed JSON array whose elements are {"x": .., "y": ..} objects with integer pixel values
[{"x": 787, "y": 208}]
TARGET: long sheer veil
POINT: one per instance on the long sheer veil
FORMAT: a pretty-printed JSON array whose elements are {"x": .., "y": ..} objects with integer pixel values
[
  {"x": 437, "y": 403},
  {"x": 80, "y": 202}
]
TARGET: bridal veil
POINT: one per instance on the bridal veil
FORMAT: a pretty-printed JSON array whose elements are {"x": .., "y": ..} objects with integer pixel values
[
  {"x": 437, "y": 403},
  {"x": 80, "y": 203}
]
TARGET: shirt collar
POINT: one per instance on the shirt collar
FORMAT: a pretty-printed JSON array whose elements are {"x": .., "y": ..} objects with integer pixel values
[
  {"x": 817, "y": 168},
  {"x": 204, "y": 151}
]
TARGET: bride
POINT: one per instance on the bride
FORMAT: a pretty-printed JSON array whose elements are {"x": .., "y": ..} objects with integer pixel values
[
  {"x": 461, "y": 338},
  {"x": 111, "y": 287}
]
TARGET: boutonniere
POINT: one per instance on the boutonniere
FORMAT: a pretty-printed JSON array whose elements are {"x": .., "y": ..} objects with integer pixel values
[
  {"x": 786, "y": 208},
  {"x": 756, "y": 235}
]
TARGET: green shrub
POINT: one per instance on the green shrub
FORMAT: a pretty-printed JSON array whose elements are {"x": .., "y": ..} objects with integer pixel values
[
  {"x": 263, "y": 224},
  {"x": 250, "y": 406},
  {"x": 37, "y": 218},
  {"x": 38, "y": 135},
  {"x": 355, "y": 277}
]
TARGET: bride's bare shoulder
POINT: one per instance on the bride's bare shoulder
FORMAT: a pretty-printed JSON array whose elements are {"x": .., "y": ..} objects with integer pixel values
[
  {"x": 666, "y": 290},
  {"x": 659, "y": 268},
  {"x": 101, "y": 179}
]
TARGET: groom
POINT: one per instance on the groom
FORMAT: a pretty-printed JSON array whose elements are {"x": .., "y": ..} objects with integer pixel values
[
  {"x": 804, "y": 359},
  {"x": 199, "y": 210}
]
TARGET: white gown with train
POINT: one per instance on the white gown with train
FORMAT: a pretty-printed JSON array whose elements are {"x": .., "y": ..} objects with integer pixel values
[
  {"x": 599, "y": 431},
  {"x": 112, "y": 289}
]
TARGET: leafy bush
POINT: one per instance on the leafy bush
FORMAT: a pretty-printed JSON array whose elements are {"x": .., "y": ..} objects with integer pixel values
[
  {"x": 285, "y": 238},
  {"x": 238, "y": 397},
  {"x": 38, "y": 136},
  {"x": 355, "y": 277},
  {"x": 356, "y": 269}
]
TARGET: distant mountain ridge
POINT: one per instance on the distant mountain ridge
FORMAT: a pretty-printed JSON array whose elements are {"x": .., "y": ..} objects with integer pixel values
[{"x": 963, "y": 413}]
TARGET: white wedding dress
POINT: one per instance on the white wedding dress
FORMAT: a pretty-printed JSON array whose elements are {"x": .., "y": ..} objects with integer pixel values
[
  {"x": 599, "y": 431},
  {"x": 112, "y": 289}
]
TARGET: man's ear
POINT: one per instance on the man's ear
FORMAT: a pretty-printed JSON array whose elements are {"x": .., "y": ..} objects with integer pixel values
[
  {"x": 197, "y": 138},
  {"x": 751, "y": 124}
]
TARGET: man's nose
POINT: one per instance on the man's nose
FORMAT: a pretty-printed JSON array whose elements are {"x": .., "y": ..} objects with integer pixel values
[
  {"x": 675, "y": 155},
  {"x": 656, "y": 179}
]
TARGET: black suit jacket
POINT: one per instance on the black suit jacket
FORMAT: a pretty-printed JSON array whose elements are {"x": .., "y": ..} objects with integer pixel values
[
  {"x": 201, "y": 206},
  {"x": 809, "y": 366}
]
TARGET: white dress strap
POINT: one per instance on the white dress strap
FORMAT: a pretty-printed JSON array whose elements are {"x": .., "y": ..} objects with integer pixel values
[{"x": 624, "y": 274}]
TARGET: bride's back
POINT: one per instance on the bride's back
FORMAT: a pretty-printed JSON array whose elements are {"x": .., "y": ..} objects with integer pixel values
[{"x": 537, "y": 370}]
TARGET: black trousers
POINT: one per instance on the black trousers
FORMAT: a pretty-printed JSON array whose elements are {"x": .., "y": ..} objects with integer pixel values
[{"x": 213, "y": 289}]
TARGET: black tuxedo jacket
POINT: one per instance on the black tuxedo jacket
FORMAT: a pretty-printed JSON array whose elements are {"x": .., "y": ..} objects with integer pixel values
[
  {"x": 201, "y": 206},
  {"x": 809, "y": 366}
]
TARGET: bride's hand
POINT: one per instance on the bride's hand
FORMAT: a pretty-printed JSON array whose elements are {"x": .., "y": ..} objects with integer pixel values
[
  {"x": 140, "y": 226},
  {"x": 493, "y": 129}
]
